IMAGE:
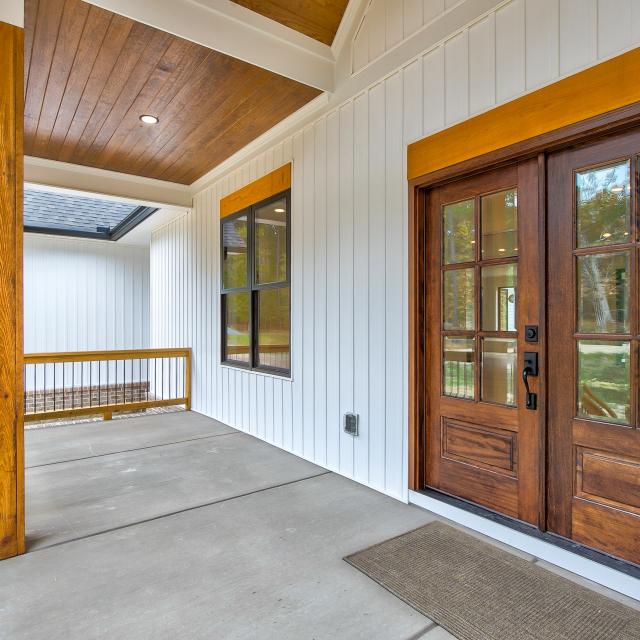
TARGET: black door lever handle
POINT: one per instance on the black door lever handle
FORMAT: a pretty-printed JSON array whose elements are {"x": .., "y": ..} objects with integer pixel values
[
  {"x": 531, "y": 399},
  {"x": 530, "y": 369}
]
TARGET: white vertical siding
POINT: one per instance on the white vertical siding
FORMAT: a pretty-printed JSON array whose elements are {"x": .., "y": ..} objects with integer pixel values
[
  {"x": 84, "y": 295},
  {"x": 349, "y": 237}
]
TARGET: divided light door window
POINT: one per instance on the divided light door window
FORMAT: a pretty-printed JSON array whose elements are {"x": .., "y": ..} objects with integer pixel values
[{"x": 255, "y": 287}]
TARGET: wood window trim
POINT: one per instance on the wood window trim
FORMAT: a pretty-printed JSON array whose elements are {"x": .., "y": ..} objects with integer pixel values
[
  {"x": 253, "y": 288},
  {"x": 272, "y": 184},
  {"x": 610, "y": 121}
]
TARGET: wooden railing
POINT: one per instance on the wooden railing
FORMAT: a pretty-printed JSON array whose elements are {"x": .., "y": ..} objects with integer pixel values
[{"x": 65, "y": 385}]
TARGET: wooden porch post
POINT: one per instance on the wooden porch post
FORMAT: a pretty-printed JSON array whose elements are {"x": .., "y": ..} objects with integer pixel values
[{"x": 11, "y": 341}]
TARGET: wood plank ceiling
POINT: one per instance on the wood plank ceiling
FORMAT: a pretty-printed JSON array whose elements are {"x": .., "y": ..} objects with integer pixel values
[
  {"x": 90, "y": 74},
  {"x": 318, "y": 19}
]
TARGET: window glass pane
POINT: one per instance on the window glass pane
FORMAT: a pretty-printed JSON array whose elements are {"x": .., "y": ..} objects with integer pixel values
[
  {"x": 234, "y": 253},
  {"x": 499, "y": 361},
  {"x": 500, "y": 224},
  {"x": 603, "y": 293},
  {"x": 273, "y": 328},
  {"x": 237, "y": 307},
  {"x": 603, "y": 205},
  {"x": 458, "y": 232},
  {"x": 604, "y": 380},
  {"x": 458, "y": 365},
  {"x": 459, "y": 299},
  {"x": 499, "y": 295},
  {"x": 271, "y": 242}
]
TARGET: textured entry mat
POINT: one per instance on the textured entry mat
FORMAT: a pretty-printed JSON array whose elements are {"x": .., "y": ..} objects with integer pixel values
[{"x": 478, "y": 592}]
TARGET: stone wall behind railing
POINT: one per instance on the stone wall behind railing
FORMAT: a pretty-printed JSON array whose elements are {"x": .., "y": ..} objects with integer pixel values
[{"x": 71, "y": 397}]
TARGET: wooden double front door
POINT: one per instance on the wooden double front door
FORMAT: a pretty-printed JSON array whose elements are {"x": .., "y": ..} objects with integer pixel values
[{"x": 533, "y": 342}]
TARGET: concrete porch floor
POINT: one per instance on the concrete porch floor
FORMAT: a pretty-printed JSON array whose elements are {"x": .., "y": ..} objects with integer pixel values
[{"x": 176, "y": 525}]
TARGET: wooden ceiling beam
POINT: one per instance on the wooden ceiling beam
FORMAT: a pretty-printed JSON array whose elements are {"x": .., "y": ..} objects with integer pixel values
[
  {"x": 226, "y": 27},
  {"x": 75, "y": 177}
]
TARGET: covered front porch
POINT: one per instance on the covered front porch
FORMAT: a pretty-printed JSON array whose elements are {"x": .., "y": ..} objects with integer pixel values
[{"x": 176, "y": 524}]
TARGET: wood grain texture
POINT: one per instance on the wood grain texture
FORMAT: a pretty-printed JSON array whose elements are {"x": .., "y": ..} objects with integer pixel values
[
  {"x": 593, "y": 465},
  {"x": 487, "y": 453},
  {"x": 11, "y": 454},
  {"x": 593, "y": 524},
  {"x": 584, "y": 95},
  {"x": 90, "y": 74},
  {"x": 318, "y": 19},
  {"x": 256, "y": 191}
]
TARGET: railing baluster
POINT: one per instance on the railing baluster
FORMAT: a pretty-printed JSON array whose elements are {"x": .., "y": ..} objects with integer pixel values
[{"x": 117, "y": 391}]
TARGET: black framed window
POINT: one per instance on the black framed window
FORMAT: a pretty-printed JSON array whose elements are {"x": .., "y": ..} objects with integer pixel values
[{"x": 255, "y": 245}]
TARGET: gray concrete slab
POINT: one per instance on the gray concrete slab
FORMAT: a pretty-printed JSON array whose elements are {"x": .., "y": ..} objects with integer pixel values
[
  {"x": 70, "y": 442},
  {"x": 266, "y": 565},
  {"x": 75, "y": 499}
]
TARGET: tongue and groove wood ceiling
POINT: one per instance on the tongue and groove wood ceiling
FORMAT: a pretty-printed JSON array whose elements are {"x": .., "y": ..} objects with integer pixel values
[
  {"x": 90, "y": 74},
  {"x": 318, "y": 19}
]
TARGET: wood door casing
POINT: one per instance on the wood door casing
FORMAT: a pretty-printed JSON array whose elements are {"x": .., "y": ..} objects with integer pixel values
[
  {"x": 594, "y": 459},
  {"x": 486, "y": 453}
]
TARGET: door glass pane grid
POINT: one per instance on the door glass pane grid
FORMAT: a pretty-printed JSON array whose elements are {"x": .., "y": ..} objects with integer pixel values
[
  {"x": 479, "y": 295},
  {"x": 606, "y": 277}
]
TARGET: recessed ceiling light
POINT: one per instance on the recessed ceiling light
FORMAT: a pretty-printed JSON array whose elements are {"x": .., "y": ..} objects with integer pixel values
[
  {"x": 501, "y": 250},
  {"x": 606, "y": 234},
  {"x": 149, "y": 119},
  {"x": 617, "y": 189},
  {"x": 279, "y": 210}
]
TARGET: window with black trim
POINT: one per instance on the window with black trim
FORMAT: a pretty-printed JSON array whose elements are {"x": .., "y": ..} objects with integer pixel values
[{"x": 255, "y": 288}]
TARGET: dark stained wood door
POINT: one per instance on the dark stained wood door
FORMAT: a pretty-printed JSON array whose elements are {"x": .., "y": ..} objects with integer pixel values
[
  {"x": 594, "y": 338},
  {"x": 483, "y": 287}
]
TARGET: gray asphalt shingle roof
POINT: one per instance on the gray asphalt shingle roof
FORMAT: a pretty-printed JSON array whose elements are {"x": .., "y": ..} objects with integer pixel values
[{"x": 49, "y": 210}]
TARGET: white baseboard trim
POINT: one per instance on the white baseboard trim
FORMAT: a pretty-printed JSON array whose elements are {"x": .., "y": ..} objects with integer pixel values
[{"x": 584, "y": 567}]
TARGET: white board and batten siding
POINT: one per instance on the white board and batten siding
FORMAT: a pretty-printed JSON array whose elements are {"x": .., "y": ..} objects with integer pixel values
[
  {"x": 349, "y": 235},
  {"x": 84, "y": 295}
]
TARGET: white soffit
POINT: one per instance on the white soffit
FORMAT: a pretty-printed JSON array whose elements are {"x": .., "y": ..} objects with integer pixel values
[
  {"x": 12, "y": 12},
  {"x": 140, "y": 235},
  {"x": 226, "y": 27}
]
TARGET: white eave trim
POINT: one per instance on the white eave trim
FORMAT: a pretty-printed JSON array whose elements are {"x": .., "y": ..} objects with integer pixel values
[
  {"x": 223, "y": 26},
  {"x": 122, "y": 186},
  {"x": 350, "y": 22},
  {"x": 12, "y": 12}
]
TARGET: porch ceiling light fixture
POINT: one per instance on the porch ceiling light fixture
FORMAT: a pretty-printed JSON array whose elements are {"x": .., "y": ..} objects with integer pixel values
[
  {"x": 279, "y": 210},
  {"x": 149, "y": 119}
]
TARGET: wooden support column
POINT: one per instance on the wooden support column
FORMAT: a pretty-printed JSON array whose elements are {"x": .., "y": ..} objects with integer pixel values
[{"x": 11, "y": 341}]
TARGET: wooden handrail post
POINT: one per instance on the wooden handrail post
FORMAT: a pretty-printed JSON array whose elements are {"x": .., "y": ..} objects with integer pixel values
[{"x": 187, "y": 381}]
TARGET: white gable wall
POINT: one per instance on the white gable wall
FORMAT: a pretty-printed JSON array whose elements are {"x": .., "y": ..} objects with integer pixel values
[
  {"x": 349, "y": 266},
  {"x": 84, "y": 295}
]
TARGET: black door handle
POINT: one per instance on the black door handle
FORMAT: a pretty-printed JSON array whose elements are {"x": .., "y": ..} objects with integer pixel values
[{"x": 530, "y": 369}]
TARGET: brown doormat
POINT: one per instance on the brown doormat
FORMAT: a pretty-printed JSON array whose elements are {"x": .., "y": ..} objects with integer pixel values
[{"x": 478, "y": 592}]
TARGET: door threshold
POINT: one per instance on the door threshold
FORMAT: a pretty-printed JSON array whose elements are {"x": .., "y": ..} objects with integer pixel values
[{"x": 615, "y": 574}]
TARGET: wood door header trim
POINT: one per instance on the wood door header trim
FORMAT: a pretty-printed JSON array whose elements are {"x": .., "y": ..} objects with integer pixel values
[
  {"x": 256, "y": 191},
  {"x": 605, "y": 87}
]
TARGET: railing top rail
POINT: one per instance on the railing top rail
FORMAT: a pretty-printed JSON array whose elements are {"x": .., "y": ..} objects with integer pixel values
[{"x": 117, "y": 354}]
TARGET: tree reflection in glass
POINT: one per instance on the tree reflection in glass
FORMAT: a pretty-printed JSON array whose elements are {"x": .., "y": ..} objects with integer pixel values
[
  {"x": 603, "y": 293},
  {"x": 603, "y": 198},
  {"x": 604, "y": 380}
]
